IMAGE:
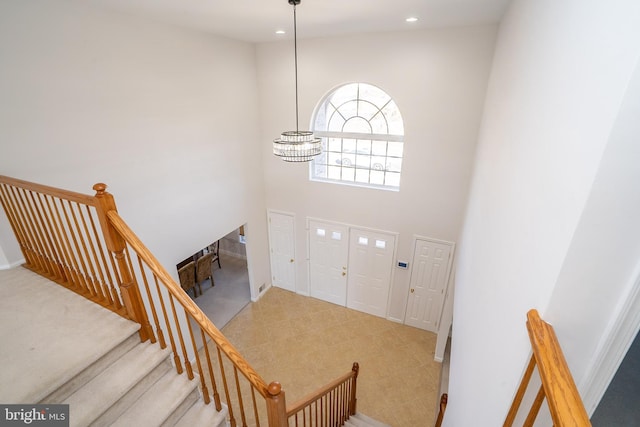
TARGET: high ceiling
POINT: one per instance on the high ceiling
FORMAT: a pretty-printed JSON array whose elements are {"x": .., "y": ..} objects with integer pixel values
[{"x": 257, "y": 20}]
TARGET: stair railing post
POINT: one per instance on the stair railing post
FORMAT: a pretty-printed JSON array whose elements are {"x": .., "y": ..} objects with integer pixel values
[
  {"x": 276, "y": 406},
  {"x": 129, "y": 290},
  {"x": 354, "y": 400}
]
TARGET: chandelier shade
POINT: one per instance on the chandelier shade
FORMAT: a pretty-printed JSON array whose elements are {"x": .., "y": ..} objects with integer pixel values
[{"x": 296, "y": 145}]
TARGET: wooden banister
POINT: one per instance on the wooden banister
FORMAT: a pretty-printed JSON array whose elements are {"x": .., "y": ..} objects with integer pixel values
[
  {"x": 185, "y": 301},
  {"x": 443, "y": 406},
  {"x": 331, "y": 404},
  {"x": 129, "y": 289},
  {"x": 560, "y": 390},
  {"x": 71, "y": 196},
  {"x": 315, "y": 395},
  {"x": 57, "y": 233},
  {"x": 558, "y": 386}
]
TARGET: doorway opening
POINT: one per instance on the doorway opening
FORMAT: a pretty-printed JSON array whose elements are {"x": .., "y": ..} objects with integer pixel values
[{"x": 230, "y": 290}]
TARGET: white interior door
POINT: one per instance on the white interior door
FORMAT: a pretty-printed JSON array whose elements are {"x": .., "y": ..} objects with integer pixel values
[
  {"x": 282, "y": 249},
  {"x": 370, "y": 264},
  {"x": 429, "y": 277},
  {"x": 328, "y": 251}
]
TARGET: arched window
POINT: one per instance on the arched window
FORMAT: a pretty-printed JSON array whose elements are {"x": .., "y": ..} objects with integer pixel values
[{"x": 362, "y": 138}]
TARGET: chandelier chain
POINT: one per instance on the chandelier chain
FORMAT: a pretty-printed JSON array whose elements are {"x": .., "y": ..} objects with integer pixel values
[
  {"x": 296, "y": 146},
  {"x": 295, "y": 57}
]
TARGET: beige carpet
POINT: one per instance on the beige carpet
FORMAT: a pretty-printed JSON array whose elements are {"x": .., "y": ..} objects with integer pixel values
[
  {"x": 304, "y": 343},
  {"x": 230, "y": 293},
  {"x": 45, "y": 336}
]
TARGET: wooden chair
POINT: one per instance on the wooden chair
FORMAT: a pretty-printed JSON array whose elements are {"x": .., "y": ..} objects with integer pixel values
[
  {"x": 203, "y": 270},
  {"x": 214, "y": 249},
  {"x": 187, "y": 275}
]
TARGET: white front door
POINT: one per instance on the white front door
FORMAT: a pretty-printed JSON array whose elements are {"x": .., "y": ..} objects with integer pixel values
[
  {"x": 328, "y": 244},
  {"x": 282, "y": 248},
  {"x": 370, "y": 263},
  {"x": 429, "y": 277}
]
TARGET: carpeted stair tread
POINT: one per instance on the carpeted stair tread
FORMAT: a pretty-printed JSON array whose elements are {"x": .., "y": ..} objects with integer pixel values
[
  {"x": 111, "y": 392},
  {"x": 161, "y": 402},
  {"x": 361, "y": 420},
  {"x": 49, "y": 335},
  {"x": 203, "y": 415}
]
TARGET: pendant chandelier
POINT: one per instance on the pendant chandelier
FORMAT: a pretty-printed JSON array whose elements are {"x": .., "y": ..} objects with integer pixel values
[{"x": 296, "y": 145}]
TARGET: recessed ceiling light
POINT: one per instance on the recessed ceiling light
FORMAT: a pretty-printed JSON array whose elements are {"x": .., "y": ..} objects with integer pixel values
[
  {"x": 280, "y": 31},
  {"x": 411, "y": 19}
]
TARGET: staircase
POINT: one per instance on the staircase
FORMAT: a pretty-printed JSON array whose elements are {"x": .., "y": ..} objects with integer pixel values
[
  {"x": 61, "y": 348},
  {"x": 360, "y": 420}
]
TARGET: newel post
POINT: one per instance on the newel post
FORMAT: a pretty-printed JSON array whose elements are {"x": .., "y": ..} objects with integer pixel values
[
  {"x": 355, "y": 368},
  {"x": 129, "y": 290},
  {"x": 276, "y": 406}
]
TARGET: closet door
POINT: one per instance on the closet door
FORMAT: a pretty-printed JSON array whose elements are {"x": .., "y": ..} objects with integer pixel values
[
  {"x": 370, "y": 264},
  {"x": 282, "y": 248},
  {"x": 328, "y": 257},
  {"x": 429, "y": 276}
]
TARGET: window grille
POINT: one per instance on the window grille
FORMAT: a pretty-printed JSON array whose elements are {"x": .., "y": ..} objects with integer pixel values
[{"x": 362, "y": 138}]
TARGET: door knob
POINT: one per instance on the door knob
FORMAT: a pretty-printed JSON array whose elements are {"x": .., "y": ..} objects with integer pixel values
[
  {"x": 412, "y": 290},
  {"x": 344, "y": 274},
  {"x": 291, "y": 260}
]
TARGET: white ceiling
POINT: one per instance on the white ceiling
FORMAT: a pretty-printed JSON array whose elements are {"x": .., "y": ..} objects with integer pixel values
[{"x": 257, "y": 20}]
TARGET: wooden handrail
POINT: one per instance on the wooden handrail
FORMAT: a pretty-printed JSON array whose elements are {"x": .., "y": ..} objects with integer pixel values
[
  {"x": 176, "y": 291},
  {"x": 331, "y": 405},
  {"x": 52, "y": 191},
  {"x": 565, "y": 403},
  {"x": 558, "y": 386},
  {"x": 317, "y": 394},
  {"x": 443, "y": 406}
]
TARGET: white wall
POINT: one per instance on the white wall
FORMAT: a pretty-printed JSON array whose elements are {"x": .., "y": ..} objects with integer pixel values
[
  {"x": 559, "y": 77},
  {"x": 601, "y": 269},
  {"x": 166, "y": 117},
  {"x": 438, "y": 80}
]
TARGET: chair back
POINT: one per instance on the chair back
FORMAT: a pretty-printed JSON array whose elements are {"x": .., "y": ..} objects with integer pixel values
[
  {"x": 203, "y": 267},
  {"x": 214, "y": 248},
  {"x": 187, "y": 275}
]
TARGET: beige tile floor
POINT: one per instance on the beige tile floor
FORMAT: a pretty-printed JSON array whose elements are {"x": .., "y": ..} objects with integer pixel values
[{"x": 304, "y": 343}]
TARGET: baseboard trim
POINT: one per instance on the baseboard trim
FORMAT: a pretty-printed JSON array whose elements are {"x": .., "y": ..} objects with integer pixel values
[
  {"x": 233, "y": 254},
  {"x": 12, "y": 265},
  {"x": 260, "y": 294}
]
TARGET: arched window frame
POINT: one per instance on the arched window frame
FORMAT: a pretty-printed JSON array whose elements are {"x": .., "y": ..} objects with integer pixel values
[{"x": 362, "y": 135}]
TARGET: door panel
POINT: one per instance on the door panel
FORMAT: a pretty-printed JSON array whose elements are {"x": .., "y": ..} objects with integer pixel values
[
  {"x": 282, "y": 249},
  {"x": 328, "y": 252},
  {"x": 429, "y": 277},
  {"x": 370, "y": 263}
]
